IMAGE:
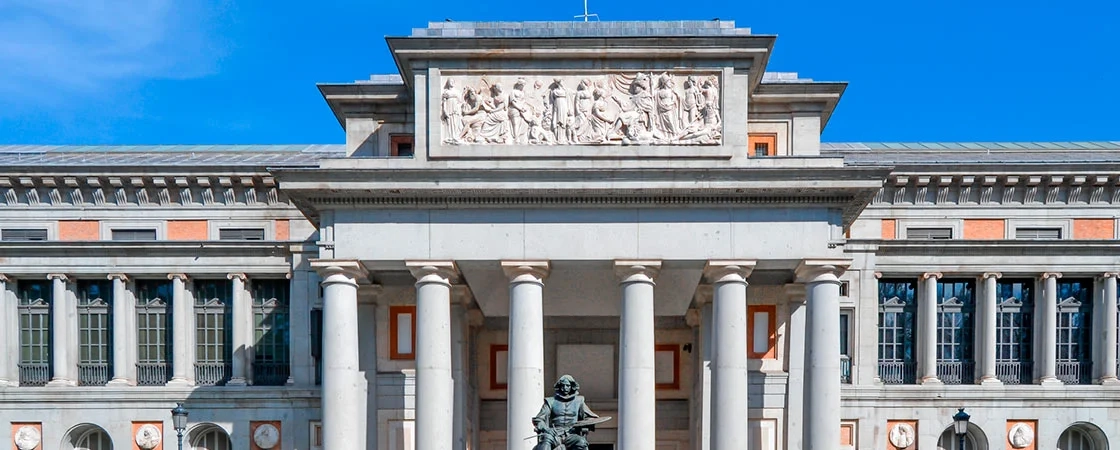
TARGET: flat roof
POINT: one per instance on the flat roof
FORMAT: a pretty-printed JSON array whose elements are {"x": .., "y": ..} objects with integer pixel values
[{"x": 570, "y": 28}]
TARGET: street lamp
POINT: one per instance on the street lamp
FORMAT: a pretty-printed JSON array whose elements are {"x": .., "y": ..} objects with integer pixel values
[
  {"x": 179, "y": 419},
  {"x": 960, "y": 426}
]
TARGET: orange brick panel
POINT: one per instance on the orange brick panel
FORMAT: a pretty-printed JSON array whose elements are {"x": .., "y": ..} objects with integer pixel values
[
  {"x": 283, "y": 230},
  {"x": 79, "y": 230},
  {"x": 1094, "y": 228},
  {"x": 984, "y": 229},
  {"x": 888, "y": 228},
  {"x": 187, "y": 230}
]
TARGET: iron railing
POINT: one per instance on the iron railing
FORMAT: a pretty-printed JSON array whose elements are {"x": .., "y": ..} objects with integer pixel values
[
  {"x": 1075, "y": 372},
  {"x": 211, "y": 374},
  {"x": 94, "y": 374},
  {"x": 898, "y": 372},
  {"x": 956, "y": 372},
  {"x": 271, "y": 374},
  {"x": 151, "y": 374},
  {"x": 1015, "y": 372},
  {"x": 845, "y": 369},
  {"x": 34, "y": 374}
]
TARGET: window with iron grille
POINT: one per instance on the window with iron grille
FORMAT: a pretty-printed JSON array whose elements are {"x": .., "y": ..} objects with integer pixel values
[
  {"x": 1038, "y": 233},
  {"x": 94, "y": 298},
  {"x": 241, "y": 234},
  {"x": 271, "y": 331},
  {"x": 317, "y": 343},
  {"x": 1075, "y": 328},
  {"x": 1014, "y": 331},
  {"x": 23, "y": 234},
  {"x": 213, "y": 331},
  {"x": 845, "y": 350},
  {"x": 929, "y": 233},
  {"x": 897, "y": 311},
  {"x": 34, "y": 332},
  {"x": 153, "y": 321},
  {"x": 134, "y": 235},
  {"x": 956, "y": 315}
]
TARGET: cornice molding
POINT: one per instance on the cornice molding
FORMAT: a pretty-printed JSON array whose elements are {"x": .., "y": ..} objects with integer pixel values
[
  {"x": 999, "y": 190},
  {"x": 139, "y": 190}
]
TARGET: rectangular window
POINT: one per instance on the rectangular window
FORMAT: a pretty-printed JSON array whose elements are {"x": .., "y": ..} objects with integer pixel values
[
  {"x": 762, "y": 336},
  {"x": 1038, "y": 233},
  {"x": 400, "y": 145},
  {"x": 844, "y": 288},
  {"x": 317, "y": 343},
  {"x": 845, "y": 349},
  {"x": 1014, "y": 331},
  {"x": 929, "y": 233},
  {"x": 153, "y": 351},
  {"x": 94, "y": 299},
  {"x": 213, "y": 331},
  {"x": 134, "y": 235},
  {"x": 402, "y": 332},
  {"x": 898, "y": 309},
  {"x": 34, "y": 332},
  {"x": 23, "y": 234},
  {"x": 1075, "y": 329},
  {"x": 956, "y": 316},
  {"x": 762, "y": 145},
  {"x": 667, "y": 367},
  {"x": 241, "y": 234},
  {"x": 271, "y": 331}
]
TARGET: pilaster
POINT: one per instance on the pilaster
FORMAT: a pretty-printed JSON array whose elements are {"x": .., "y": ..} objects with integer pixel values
[
  {"x": 795, "y": 365},
  {"x": 124, "y": 332},
  {"x": 242, "y": 331},
  {"x": 64, "y": 331},
  {"x": 927, "y": 328}
]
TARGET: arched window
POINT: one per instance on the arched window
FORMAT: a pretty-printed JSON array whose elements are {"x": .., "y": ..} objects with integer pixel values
[
  {"x": 974, "y": 440},
  {"x": 88, "y": 437},
  {"x": 209, "y": 437},
  {"x": 1082, "y": 436}
]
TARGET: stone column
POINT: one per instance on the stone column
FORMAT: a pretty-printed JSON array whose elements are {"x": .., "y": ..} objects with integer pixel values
[
  {"x": 460, "y": 362},
  {"x": 123, "y": 312},
  {"x": 729, "y": 371},
  {"x": 822, "y": 352},
  {"x": 63, "y": 327},
  {"x": 1108, "y": 322},
  {"x": 987, "y": 328},
  {"x": 525, "y": 372},
  {"x": 1048, "y": 322},
  {"x": 343, "y": 404},
  {"x": 795, "y": 360},
  {"x": 9, "y": 335},
  {"x": 637, "y": 384},
  {"x": 182, "y": 355},
  {"x": 434, "y": 391},
  {"x": 700, "y": 318},
  {"x": 927, "y": 328},
  {"x": 242, "y": 332}
]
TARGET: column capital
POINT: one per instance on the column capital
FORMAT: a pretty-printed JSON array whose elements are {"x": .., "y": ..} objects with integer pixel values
[
  {"x": 350, "y": 268},
  {"x": 178, "y": 276},
  {"x": 239, "y": 276},
  {"x": 4, "y": 278},
  {"x": 725, "y": 270},
  {"x": 117, "y": 276},
  {"x": 1055, "y": 275},
  {"x": 703, "y": 295},
  {"x": 795, "y": 292},
  {"x": 823, "y": 269},
  {"x": 434, "y": 271},
  {"x": 934, "y": 275},
  {"x": 996, "y": 275},
  {"x": 58, "y": 276},
  {"x": 1103, "y": 275},
  {"x": 637, "y": 270},
  {"x": 526, "y": 271}
]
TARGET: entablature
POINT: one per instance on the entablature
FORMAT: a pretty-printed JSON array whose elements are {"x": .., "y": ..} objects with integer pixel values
[
  {"x": 1014, "y": 189},
  {"x": 89, "y": 189}
]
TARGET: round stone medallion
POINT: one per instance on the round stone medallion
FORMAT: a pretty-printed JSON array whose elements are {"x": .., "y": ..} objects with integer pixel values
[
  {"x": 1020, "y": 435},
  {"x": 148, "y": 436},
  {"x": 902, "y": 435},
  {"x": 27, "y": 437},
  {"x": 266, "y": 436}
]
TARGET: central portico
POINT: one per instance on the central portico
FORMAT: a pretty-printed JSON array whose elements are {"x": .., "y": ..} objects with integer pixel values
[{"x": 584, "y": 198}]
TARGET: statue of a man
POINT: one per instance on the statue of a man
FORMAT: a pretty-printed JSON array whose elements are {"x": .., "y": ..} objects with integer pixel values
[{"x": 554, "y": 424}]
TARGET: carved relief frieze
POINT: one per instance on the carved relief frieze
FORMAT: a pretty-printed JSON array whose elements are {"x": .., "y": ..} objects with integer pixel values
[
  {"x": 661, "y": 108},
  {"x": 139, "y": 191},
  {"x": 1000, "y": 190}
]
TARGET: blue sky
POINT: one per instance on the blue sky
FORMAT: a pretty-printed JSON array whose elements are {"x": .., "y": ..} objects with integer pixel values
[{"x": 223, "y": 72}]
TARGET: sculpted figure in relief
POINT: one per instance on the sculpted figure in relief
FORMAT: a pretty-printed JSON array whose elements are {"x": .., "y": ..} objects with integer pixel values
[
  {"x": 520, "y": 113},
  {"x": 451, "y": 113},
  {"x": 668, "y": 109},
  {"x": 561, "y": 111},
  {"x": 901, "y": 435},
  {"x": 692, "y": 102},
  {"x": 1020, "y": 435}
]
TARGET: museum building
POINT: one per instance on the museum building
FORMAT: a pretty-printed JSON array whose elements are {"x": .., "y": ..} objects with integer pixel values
[{"x": 637, "y": 204}]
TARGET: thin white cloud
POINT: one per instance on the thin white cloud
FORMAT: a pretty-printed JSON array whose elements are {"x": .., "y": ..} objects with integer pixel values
[{"x": 82, "y": 47}]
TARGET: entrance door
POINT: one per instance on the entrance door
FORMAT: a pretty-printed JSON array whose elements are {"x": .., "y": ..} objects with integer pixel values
[{"x": 600, "y": 447}]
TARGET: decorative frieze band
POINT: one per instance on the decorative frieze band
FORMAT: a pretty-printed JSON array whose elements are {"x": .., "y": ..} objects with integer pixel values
[
  {"x": 139, "y": 190},
  {"x": 1000, "y": 190}
]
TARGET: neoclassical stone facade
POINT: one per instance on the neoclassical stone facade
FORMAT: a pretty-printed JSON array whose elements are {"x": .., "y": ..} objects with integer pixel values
[{"x": 638, "y": 204}]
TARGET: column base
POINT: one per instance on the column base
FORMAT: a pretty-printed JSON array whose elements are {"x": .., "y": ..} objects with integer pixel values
[
  {"x": 990, "y": 381},
  {"x": 121, "y": 382},
  {"x": 1109, "y": 381},
  {"x": 931, "y": 381},
  {"x": 1051, "y": 381},
  {"x": 180, "y": 382},
  {"x": 60, "y": 382},
  {"x": 237, "y": 382}
]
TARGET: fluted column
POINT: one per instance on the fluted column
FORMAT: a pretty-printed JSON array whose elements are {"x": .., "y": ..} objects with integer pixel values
[
  {"x": 729, "y": 368},
  {"x": 1048, "y": 321},
  {"x": 242, "y": 332},
  {"x": 637, "y": 383},
  {"x": 434, "y": 390},
  {"x": 821, "y": 430},
  {"x": 343, "y": 401},
  {"x": 64, "y": 317},
  {"x": 9, "y": 335},
  {"x": 124, "y": 313},
  {"x": 1108, "y": 322},
  {"x": 927, "y": 317},
  {"x": 987, "y": 328},
  {"x": 525, "y": 373},
  {"x": 182, "y": 327},
  {"x": 795, "y": 360}
]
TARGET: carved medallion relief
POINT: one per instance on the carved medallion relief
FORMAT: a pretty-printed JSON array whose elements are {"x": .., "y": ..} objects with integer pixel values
[{"x": 604, "y": 109}]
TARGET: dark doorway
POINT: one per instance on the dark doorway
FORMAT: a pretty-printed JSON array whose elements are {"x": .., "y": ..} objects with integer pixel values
[{"x": 600, "y": 447}]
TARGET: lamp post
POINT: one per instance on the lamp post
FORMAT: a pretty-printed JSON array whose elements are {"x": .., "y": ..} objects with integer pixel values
[
  {"x": 960, "y": 426},
  {"x": 179, "y": 419}
]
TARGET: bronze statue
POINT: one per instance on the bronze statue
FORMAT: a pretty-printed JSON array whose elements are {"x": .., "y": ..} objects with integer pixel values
[{"x": 565, "y": 418}]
